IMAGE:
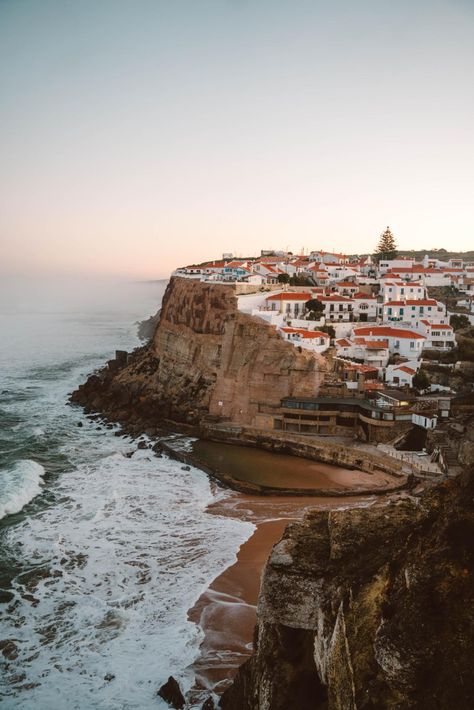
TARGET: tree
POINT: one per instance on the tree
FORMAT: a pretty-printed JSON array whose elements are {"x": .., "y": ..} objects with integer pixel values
[
  {"x": 421, "y": 380},
  {"x": 387, "y": 247},
  {"x": 283, "y": 279},
  {"x": 315, "y": 309},
  {"x": 459, "y": 321}
]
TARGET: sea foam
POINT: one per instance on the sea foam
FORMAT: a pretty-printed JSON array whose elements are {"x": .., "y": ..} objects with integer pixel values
[{"x": 19, "y": 485}]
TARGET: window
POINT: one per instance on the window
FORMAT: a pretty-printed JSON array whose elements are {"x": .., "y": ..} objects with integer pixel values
[{"x": 412, "y": 344}]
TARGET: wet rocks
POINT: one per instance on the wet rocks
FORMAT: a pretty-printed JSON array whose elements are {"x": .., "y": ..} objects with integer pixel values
[
  {"x": 368, "y": 608},
  {"x": 171, "y": 693},
  {"x": 9, "y": 649}
]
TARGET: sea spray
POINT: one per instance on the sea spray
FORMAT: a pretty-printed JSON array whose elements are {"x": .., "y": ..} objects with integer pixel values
[{"x": 19, "y": 485}]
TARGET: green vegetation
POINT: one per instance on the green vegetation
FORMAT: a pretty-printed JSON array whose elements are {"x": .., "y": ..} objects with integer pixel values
[
  {"x": 459, "y": 321},
  {"x": 329, "y": 330},
  {"x": 299, "y": 280},
  {"x": 283, "y": 279},
  {"x": 386, "y": 248},
  {"x": 315, "y": 309},
  {"x": 421, "y": 380}
]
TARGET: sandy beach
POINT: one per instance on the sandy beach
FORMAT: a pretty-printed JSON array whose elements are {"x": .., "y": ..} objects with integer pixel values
[{"x": 226, "y": 612}]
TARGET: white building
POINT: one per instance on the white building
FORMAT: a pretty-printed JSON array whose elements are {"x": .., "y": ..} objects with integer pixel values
[
  {"x": 371, "y": 352},
  {"x": 289, "y": 303},
  {"x": 400, "y": 375},
  {"x": 413, "y": 310},
  {"x": 365, "y": 306},
  {"x": 404, "y": 342},
  {"x": 315, "y": 340},
  {"x": 390, "y": 264},
  {"x": 337, "y": 308},
  {"x": 439, "y": 336},
  {"x": 395, "y": 290}
]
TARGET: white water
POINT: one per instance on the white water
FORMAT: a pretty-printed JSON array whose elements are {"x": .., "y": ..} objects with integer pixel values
[
  {"x": 112, "y": 551},
  {"x": 20, "y": 485}
]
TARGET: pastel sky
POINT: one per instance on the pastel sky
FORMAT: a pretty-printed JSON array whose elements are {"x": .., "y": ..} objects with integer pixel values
[{"x": 140, "y": 135}]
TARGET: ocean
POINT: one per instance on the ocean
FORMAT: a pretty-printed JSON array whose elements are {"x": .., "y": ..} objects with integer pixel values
[{"x": 103, "y": 547}]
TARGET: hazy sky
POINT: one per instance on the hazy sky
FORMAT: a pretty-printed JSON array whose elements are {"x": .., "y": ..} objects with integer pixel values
[{"x": 138, "y": 135}]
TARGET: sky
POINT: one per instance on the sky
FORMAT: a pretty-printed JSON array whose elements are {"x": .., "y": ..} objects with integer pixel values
[{"x": 139, "y": 135}]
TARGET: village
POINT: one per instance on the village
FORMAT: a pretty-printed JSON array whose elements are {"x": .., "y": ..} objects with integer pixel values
[{"x": 387, "y": 331}]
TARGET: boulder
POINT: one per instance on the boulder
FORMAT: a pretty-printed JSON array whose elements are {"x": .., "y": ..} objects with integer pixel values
[{"x": 171, "y": 693}]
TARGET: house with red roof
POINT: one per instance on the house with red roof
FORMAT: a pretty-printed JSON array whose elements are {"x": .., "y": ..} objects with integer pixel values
[
  {"x": 412, "y": 310},
  {"x": 370, "y": 352},
  {"x": 401, "y": 375},
  {"x": 439, "y": 336},
  {"x": 314, "y": 340},
  {"x": 365, "y": 306},
  {"x": 289, "y": 303},
  {"x": 396, "y": 290},
  {"x": 401, "y": 341}
]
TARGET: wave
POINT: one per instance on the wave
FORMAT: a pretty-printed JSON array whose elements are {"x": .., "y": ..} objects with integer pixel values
[{"x": 19, "y": 485}]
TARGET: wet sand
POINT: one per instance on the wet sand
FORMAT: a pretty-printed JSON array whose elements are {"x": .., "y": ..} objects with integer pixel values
[
  {"x": 283, "y": 471},
  {"x": 227, "y": 610}
]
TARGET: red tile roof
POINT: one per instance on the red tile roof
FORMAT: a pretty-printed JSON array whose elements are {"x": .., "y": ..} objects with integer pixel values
[
  {"x": 388, "y": 332},
  {"x": 334, "y": 297},
  {"x": 406, "y": 369},
  {"x": 307, "y": 333},
  {"x": 364, "y": 296},
  {"x": 289, "y": 296},
  {"x": 413, "y": 302}
]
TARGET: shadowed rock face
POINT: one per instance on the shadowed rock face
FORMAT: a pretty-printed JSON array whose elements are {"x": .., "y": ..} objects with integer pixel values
[
  {"x": 205, "y": 358},
  {"x": 368, "y": 608}
]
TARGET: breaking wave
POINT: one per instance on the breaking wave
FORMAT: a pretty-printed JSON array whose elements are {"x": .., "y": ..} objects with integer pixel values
[{"x": 19, "y": 485}]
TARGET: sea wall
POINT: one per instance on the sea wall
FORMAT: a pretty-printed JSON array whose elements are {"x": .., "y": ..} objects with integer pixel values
[
  {"x": 205, "y": 359},
  {"x": 368, "y": 608}
]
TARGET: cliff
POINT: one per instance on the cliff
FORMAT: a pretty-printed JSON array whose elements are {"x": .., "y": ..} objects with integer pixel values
[
  {"x": 368, "y": 608},
  {"x": 205, "y": 359}
]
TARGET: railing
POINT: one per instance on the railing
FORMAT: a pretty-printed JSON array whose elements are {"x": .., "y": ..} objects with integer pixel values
[{"x": 419, "y": 463}]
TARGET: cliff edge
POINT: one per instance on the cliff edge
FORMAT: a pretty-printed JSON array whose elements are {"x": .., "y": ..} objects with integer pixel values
[
  {"x": 206, "y": 359},
  {"x": 368, "y": 608}
]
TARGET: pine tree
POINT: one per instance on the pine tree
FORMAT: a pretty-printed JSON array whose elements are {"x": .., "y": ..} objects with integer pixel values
[{"x": 387, "y": 247}]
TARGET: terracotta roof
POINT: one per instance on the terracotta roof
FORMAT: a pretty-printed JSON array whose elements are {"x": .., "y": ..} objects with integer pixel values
[
  {"x": 306, "y": 333},
  {"x": 235, "y": 264},
  {"x": 376, "y": 344},
  {"x": 343, "y": 343},
  {"x": 364, "y": 296},
  {"x": 440, "y": 326},
  {"x": 413, "y": 302},
  {"x": 335, "y": 297},
  {"x": 406, "y": 369},
  {"x": 289, "y": 296},
  {"x": 388, "y": 332},
  {"x": 359, "y": 367}
]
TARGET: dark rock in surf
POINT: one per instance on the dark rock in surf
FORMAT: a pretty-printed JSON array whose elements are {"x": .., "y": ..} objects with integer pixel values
[{"x": 171, "y": 693}]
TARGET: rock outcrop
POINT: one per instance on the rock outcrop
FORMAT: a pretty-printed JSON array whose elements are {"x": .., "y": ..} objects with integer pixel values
[
  {"x": 368, "y": 608},
  {"x": 206, "y": 358}
]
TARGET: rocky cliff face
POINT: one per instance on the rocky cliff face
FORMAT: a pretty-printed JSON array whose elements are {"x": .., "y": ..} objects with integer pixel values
[
  {"x": 368, "y": 608},
  {"x": 205, "y": 358}
]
